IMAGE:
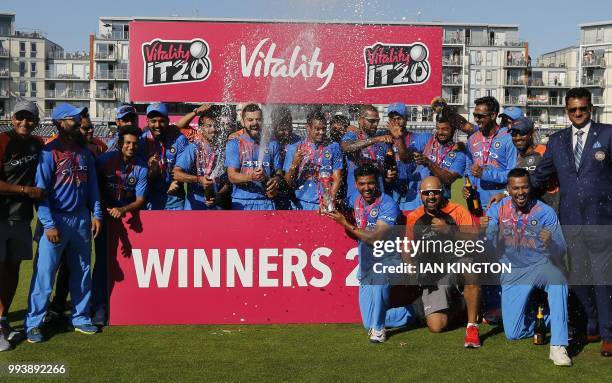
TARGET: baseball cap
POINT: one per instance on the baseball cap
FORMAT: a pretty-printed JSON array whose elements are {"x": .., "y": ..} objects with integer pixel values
[
  {"x": 124, "y": 110},
  {"x": 26, "y": 106},
  {"x": 64, "y": 110},
  {"x": 158, "y": 107},
  {"x": 397, "y": 107},
  {"x": 521, "y": 125},
  {"x": 512, "y": 112}
]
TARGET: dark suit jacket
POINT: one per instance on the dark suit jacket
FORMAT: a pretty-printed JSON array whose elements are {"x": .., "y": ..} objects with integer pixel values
[{"x": 586, "y": 194}]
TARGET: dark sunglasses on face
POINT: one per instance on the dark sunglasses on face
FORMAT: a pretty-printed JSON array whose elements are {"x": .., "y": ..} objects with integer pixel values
[
  {"x": 431, "y": 192},
  {"x": 479, "y": 116},
  {"x": 373, "y": 120},
  {"x": 583, "y": 109},
  {"x": 515, "y": 133},
  {"x": 86, "y": 128}
]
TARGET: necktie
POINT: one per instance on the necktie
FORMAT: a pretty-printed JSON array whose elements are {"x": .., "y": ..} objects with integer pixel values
[{"x": 578, "y": 148}]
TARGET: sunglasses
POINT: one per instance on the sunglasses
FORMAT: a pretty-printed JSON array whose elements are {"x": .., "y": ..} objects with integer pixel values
[
  {"x": 479, "y": 116},
  {"x": 86, "y": 128},
  {"x": 372, "y": 120},
  {"x": 515, "y": 133},
  {"x": 431, "y": 192},
  {"x": 583, "y": 109}
]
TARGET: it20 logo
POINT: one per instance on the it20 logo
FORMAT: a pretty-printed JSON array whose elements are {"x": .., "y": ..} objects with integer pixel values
[
  {"x": 390, "y": 65},
  {"x": 175, "y": 61}
]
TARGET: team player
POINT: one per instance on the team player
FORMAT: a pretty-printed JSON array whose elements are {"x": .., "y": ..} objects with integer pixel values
[
  {"x": 403, "y": 183},
  {"x": 313, "y": 167},
  {"x": 161, "y": 144},
  {"x": 255, "y": 172},
  {"x": 126, "y": 115},
  {"x": 123, "y": 187},
  {"x": 201, "y": 166},
  {"x": 282, "y": 128},
  {"x": 374, "y": 214},
  {"x": 367, "y": 146},
  {"x": 491, "y": 154},
  {"x": 442, "y": 157},
  {"x": 528, "y": 236},
  {"x": 439, "y": 219},
  {"x": 66, "y": 171},
  {"x": 19, "y": 152}
]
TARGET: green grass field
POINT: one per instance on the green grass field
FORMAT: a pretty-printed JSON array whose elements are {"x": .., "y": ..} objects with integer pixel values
[{"x": 302, "y": 353}]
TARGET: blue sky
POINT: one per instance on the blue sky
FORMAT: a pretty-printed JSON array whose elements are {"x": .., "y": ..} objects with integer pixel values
[{"x": 547, "y": 25}]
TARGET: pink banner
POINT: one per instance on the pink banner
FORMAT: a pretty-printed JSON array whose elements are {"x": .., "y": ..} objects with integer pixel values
[
  {"x": 230, "y": 267},
  {"x": 300, "y": 63}
]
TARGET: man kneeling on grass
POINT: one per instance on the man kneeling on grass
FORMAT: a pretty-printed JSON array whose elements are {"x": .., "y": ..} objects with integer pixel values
[{"x": 374, "y": 215}]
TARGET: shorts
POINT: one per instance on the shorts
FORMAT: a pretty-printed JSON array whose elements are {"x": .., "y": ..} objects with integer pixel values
[
  {"x": 15, "y": 241},
  {"x": 440, "y": 297}
]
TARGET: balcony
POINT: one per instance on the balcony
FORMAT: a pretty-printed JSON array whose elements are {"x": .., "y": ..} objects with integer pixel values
[
  {"x": 546, "y": 84},
  {"x": 594, "y": 62},
  {"x": 544, "y": 100},
  {"x": 4, "y": 52},
  {"x": 108, "y": 56},
  {"x": 597, "y": 100},
  {"x": 514, "y": 100},
  {"x": 453, "y": 38},
  {"x": 596, "y": 82},
  {"x": 454, "y": 100},
  {"x": 67, "y": 94},
  {"x": 4, "y": 72},
  {"x": 52, "y": 75},
  {"x": 116, "y": 35},
  {"x": 68, "y": 55},
  {"x": 515, "y": 82},
  {"x": 31, "y": 33},
  {"x": 4, "y": 93},
  {"x": 520, "y": 63},
  {"x": 452, "y": 61},
  {"x": 119, "y": 74},
  {"x": 494, "y": 43},
  {"x": 106, "y": 94},
  {"x": 452, "y": 80}
]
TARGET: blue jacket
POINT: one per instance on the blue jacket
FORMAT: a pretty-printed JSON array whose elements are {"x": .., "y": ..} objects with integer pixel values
[{"x": 586, "y": 194}]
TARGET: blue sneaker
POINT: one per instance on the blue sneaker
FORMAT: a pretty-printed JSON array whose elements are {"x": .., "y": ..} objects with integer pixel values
[
  {"x": 87, "y": 329},
  {"x": 34, "y": 335}
]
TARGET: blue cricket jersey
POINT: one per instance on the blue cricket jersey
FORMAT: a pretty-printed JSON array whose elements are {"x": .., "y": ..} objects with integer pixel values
[{"x": 123, "y": 182}]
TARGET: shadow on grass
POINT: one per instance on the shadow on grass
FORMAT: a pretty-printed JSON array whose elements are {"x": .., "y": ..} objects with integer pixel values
[{"x": 492, "y": 332}]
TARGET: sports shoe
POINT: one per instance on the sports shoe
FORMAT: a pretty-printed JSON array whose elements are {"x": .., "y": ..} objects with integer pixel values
[
  {"x": 34, "y": 335},
  {"x": 87, "y": 329},
  {"x": 558, "y": 354},
  {"x": 377, "y": 336},
  {"x": 472, "y": 338},
  {"x": 10, "y": 334},
  {"x": 5, "y": 345},
  {"x": 99, "y": 318}
]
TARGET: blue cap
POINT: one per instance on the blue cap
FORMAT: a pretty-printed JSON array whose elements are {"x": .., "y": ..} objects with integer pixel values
[
  {"x": 64, "y": 110},
  {"x": 124, "y": 110},
  {"x": 522, "y": 126},
  {"x": 512, "y": 112},
  {"x": 399, "y": 108},
  {"x": 158, "y": 107}
]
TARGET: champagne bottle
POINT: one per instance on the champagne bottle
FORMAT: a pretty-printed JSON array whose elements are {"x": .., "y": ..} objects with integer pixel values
[
  {"x": 390, "y": 164},
  {"x": 539, "y": 335},
  {"x": 473, "y": 201},
  {"x": 327, "y": 199}
]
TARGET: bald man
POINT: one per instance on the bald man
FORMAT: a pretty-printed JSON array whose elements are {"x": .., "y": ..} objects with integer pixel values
[{"x": 439, "y": 219}]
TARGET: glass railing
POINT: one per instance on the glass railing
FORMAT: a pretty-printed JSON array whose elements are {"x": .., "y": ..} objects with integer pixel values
[
  {"x": 105, "y": 56},
  {"x": 516, "y": 62},
  {"x": 4, "y": 72},
  {"x": 65, "y": 76},
  {"x": 514, "y": 100},
  {"x": 592, "y": 81},
  {"x": 449, "y": 60},
  {"x": 4, "y": 52},
  {"x": 594, "y": 61},
  {"x": 68, "y": 55},
  {"x": 67, "y": 94},
  {"x": 105, "y": 93},
  {"x": 117, "y": 35},
  {"x": 544, "y": 100}
]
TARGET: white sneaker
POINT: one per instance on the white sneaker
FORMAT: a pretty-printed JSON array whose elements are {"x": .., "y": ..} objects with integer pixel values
[
  {"x": 558, "y": 354},
  {"x": 377, "y": 336}
]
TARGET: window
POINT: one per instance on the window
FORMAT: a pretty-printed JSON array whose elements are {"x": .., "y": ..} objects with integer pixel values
[
  {"x": 32, "y": 69},
  {"x": 22, "y": 88},
  {"x": 22, "y": 49},
  {"x": 22, "y": 69},
  {"x": 32, "y": 89},
  {"x": 32, "y": 49}
]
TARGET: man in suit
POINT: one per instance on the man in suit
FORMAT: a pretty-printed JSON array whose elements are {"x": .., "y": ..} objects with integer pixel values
[{"x": 580, "y": 156}]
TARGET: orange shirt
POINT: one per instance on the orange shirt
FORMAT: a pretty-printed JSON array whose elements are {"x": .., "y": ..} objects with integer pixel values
[{"x": 453, "y": 213}]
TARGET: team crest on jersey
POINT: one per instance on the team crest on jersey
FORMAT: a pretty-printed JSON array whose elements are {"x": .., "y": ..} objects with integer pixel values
[
  {"x": 374, "y": 213},
  {"x": 530, "y": 160},
  {"x": 600, "y": 155},
  {"x": 452, "y": 155},
  {"x": 132, "y": 180},
  {"x": 497, "y": 145},
  {"x": 327, "y": 155},
  {"x": 534, "y": 222},
  {"x": 173, "y": 150}
]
